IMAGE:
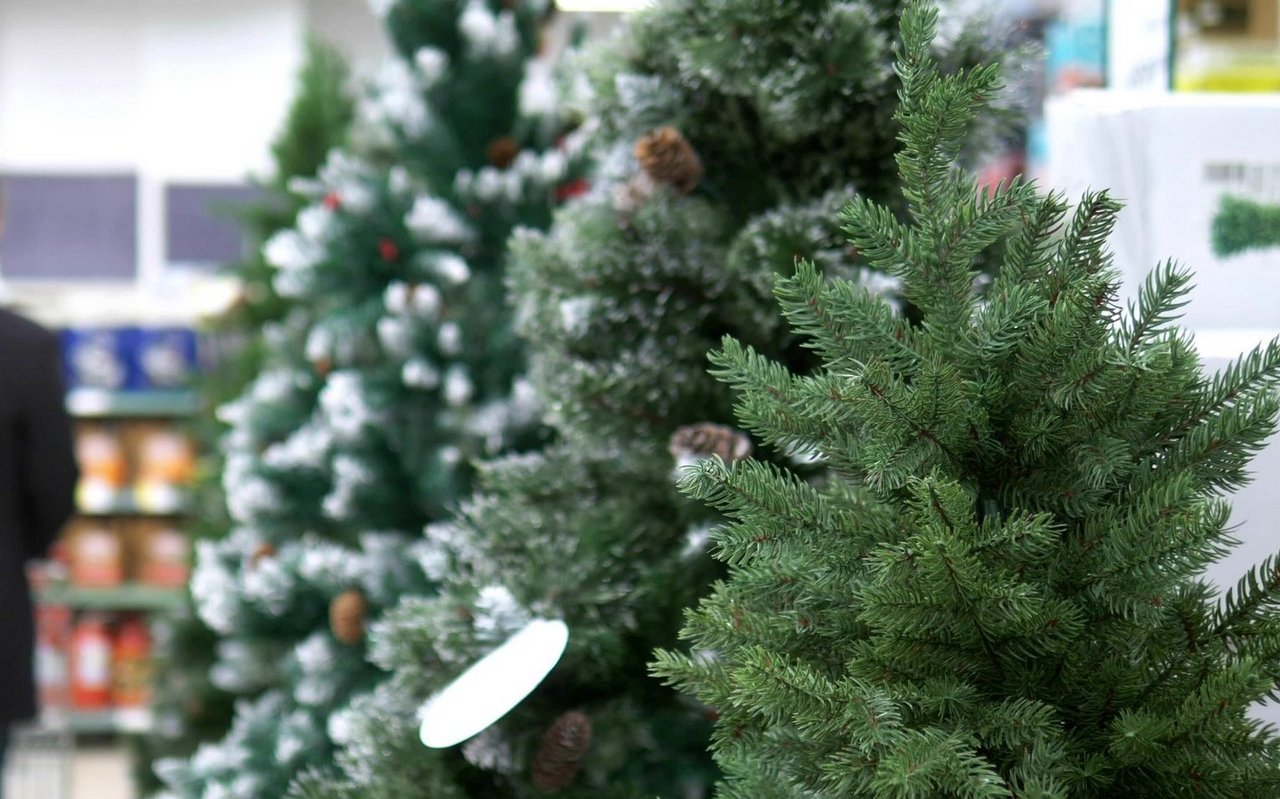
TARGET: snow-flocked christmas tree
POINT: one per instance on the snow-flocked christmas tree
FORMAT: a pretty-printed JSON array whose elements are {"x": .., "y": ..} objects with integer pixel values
[
  {"x": 727, "y": 134},
  {"x": 395, "y": 368},
  {"x": 996, "y": 590},
  {"x": 187, "y": 707}
]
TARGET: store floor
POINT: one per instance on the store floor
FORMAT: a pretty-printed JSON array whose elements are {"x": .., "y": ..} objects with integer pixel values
[
  {"x": 101, "y": 772},
  {"x": 98, "y": 771}
]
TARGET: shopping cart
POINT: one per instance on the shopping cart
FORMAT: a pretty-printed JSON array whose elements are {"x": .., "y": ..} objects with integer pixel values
[{"x": 39, "y": 761}]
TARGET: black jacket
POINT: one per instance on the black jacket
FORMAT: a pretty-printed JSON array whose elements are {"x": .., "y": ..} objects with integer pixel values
[{"x": 37, "y": 492}]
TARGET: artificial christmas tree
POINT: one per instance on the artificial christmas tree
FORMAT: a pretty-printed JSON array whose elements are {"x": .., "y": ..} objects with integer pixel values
[
  {"x": 726, "y": 136},
  {"x": 393, "y": 370},
  {"x": 995, "y": 590},
  {"x": 187, "y": 707}
]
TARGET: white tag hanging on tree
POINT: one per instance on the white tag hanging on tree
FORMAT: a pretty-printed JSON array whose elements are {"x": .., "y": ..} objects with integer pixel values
[{"x": 492, "y": 687}]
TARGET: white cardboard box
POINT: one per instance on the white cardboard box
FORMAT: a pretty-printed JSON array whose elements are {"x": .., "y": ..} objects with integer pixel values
[
  {"x": 1255, "y": 509},
  {"x": 1172, "y": 158}
]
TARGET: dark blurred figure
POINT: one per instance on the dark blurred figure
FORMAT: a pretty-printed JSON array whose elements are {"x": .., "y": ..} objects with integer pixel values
[{"x": 37, "y": 495}]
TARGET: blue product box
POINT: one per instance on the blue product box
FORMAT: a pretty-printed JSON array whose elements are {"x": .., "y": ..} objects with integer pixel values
[
  {"x": 98, "y": 357},
  {"x": 165, "y": 357}
]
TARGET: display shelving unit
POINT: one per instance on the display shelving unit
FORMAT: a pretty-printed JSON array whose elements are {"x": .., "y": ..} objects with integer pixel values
[{"x": 86, "y": 404}]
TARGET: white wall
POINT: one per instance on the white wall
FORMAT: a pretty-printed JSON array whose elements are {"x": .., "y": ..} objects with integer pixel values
[
  {"x": 217, "y": 76},
  {"x": 193, "y": 89},
  {"x": 351, "y": 27},
  {"x": 170, "y": 90},
  {"x": 70, "y": 88}
]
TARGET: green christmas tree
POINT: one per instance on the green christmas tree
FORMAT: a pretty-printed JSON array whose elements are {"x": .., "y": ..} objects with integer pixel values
[
  {"x": 995, "y": 589},
  {"x": 726, "y": 136},
  {"x": 393, "y": 369},
  {"x": 187, "y": 706},
  {"x": 1241, "y": 224}
]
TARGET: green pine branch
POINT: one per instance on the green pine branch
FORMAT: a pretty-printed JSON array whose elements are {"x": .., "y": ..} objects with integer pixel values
[{"x": 1015, "y": 604}]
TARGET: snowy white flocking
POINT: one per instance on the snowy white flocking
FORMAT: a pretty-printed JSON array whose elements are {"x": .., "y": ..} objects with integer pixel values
[
  {"x": 348, "y": 177},
  {"x": 268, "y": 586},
  {"x": 575, "y": 315},
  {"x": 432, "y": 63},
  {"x": 431, "y": 556},
  {"x": 498, "y": 613},
  {"x": 345, "y": 405},
  {"x": 433, "y": 220},
  {"x": 420, "y": 373},
  {"x": 302, "y": 450},
  {"x": 487, "y": 33},
  {"x": 319, "y": 344},
  {"x": 450, "y": 456},
  {"x": 214, "y": 589},
  {"x": 426, "y": 299},
  {"x": 290, "y": 251},
  {"x": 451, "y": 268},
  {"x": 356, "y": 197},
  {"x": 399, "y": 98},
  {"x": 350, "y": 475},
  {"x": 381, "y": 8},
  {"x": 458, "y": 388},
  {"x": 490, "y": 750},
  {"x": 396, "y": 297},
  {"x": 297, "y": 735},
  {"x": 396, "y": 336},
  {"x": 251, "y": 499},
  {"x": 315, "y": 222},
  {"x": 488, "y": 184},
  {"x": 449, "y": 339},
  {"x": 399, "y": 181},
  {"x": 538, "y": 89},
  {"x": 329, "y": 565},
  {"x": 315, "y": 656},
  {"x": 555, "y": 165}
]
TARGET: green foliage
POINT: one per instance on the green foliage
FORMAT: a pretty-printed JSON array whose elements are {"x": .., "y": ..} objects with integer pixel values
[
  {"x": 995, "y": 588},
  {"x": 319, "y": 117},
  {"x": 392, "y": 370},
  {"x": 1241, "y": 225},
  {"x": 619, "y": 302},
  {"x": 188, "y": 706}
]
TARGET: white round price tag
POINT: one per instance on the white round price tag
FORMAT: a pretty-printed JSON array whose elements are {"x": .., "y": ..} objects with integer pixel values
[{"x": 492, "y": 687}]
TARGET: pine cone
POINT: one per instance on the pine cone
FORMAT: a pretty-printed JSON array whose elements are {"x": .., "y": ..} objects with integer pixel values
[
  {"x": 560, "y": 755},
  {"x": 346, "y": 616},
  {"x": 666, "y": 156},
  {"x": 261, "y": 553},
  {"x": 322, "y": 366},
  {"x": 502, "y": 152},
  {"x": 704, "y": 440}
]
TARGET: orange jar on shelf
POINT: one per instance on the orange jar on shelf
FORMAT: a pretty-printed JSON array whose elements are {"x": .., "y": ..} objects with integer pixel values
[
  {"x": 97, "y": 555},
  {"x": 131, "y": 665},
  {"x": 104, "y": 470},
  {"x": 166, "y": 556},
  {"x": 165, "y": 465},
  {"x": 91, "y": 663}
]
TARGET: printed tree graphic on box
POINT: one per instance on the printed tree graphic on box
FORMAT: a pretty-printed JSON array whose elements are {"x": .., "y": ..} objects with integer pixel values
[{"x": 1241, "y": 225}]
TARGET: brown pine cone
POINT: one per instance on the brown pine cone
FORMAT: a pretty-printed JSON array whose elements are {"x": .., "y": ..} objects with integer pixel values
[
  {"x": 705, "y": 439},
  {"x": 560, "y": 755},
  {"x": 261, "y": 553},
  {"x": 502, "y": 152},
  {"x": 346, "y": 616},
  {"x": 668, "y": 158}
]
